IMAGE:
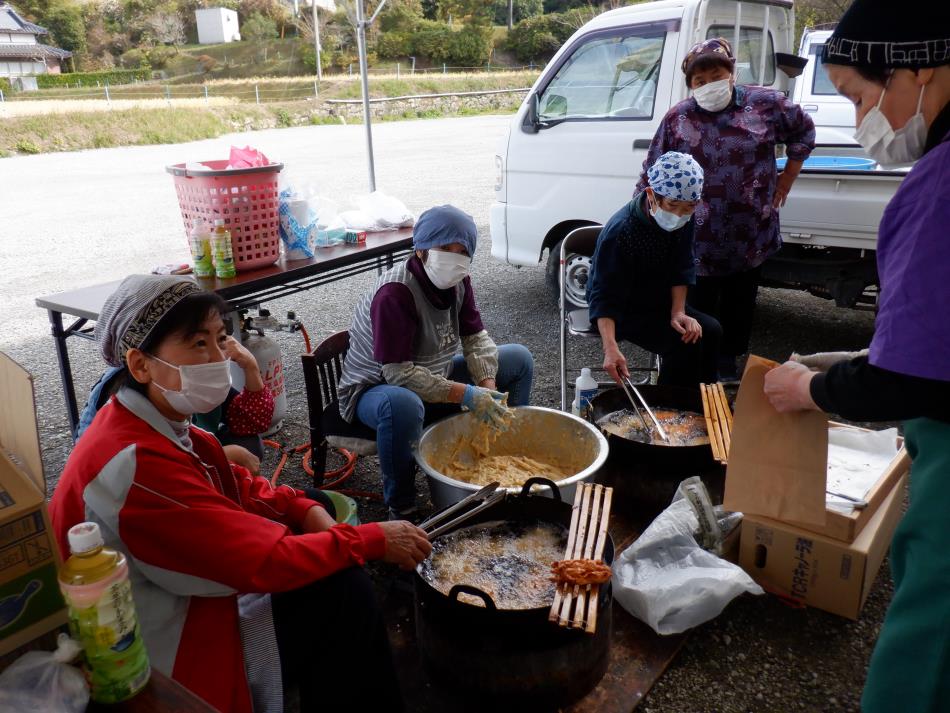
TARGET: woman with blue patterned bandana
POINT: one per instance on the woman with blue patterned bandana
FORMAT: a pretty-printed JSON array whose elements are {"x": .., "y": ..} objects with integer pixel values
[
  {"x": 732, "y": 129},
  {"x": 640, "y": 273}
]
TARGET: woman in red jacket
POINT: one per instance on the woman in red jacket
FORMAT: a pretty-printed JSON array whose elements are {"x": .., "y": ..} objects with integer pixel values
[{"x": 241, "y": 588}]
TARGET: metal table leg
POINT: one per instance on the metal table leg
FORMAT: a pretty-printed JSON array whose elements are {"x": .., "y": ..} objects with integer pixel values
[{"x": 65, "y": 370}]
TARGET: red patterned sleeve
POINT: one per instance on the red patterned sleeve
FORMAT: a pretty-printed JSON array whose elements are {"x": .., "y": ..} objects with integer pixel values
[{"x": 250, "y": 412}]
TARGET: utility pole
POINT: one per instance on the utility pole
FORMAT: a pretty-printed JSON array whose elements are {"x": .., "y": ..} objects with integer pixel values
[
  {"x": 316, "y": 39},
  {"x": 511, "y": 14},
  {"x": 361, "y": 25}
]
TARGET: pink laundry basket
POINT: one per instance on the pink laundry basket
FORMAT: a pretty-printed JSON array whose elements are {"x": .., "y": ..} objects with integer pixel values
[{"x": 245, "y": 198}]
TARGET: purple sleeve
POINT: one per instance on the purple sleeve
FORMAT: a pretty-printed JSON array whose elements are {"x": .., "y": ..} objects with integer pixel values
[
  {"x": 470, "y": 319},
  {"x": 394, "y": 318},
  {"x": 796, "y": 129}
]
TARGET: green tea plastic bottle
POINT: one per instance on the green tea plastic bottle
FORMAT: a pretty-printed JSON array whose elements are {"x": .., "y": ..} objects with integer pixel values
[
  {"x": 223, "y": 252},
  {"x": 200, "y": 241},
  {"x": 95, "y": 584}
]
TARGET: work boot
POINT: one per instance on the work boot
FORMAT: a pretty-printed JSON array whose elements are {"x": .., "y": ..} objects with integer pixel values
[{"x": 410, "y": 513}]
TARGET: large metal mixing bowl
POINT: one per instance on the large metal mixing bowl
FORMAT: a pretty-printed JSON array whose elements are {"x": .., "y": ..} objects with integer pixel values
[{"x": 537, "y": 432}]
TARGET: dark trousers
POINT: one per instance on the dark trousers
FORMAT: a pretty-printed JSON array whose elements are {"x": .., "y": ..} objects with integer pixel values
[
  {"x": 333, "y": 645},
  {"x": 682, "y": 364},
  {"x": 731, "y": 300}
]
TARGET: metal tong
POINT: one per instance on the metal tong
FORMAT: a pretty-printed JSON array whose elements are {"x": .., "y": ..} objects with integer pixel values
[
  {"x": 650, "y": 413},
  {"x": 486, "y": 497}
]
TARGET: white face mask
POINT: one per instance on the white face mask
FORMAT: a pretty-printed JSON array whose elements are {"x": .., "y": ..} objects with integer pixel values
[
  {"x": 204, "y": 387},
  {"x": 447, "y": 269},
  {"x": 714, "y": 96},
  {"x": 667, "y": 220},
  {"x": 887, "y": 146}
]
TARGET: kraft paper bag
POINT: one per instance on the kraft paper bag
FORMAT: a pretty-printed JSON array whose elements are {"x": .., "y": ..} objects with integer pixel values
[{"x": 778, "y": 462}]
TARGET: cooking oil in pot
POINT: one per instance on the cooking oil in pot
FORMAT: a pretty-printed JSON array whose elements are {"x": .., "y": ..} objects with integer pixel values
[{"x": 509, "y": 561}]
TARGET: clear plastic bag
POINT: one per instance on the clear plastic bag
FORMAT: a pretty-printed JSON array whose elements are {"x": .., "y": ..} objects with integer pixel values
[
  {"x": 666, "y": 579},
  {"x": 45, "y": 682},
  {"x": 358, "y": 220},
  {"x": 297, "y": 224},
  {"x": 386, "y": 212}
]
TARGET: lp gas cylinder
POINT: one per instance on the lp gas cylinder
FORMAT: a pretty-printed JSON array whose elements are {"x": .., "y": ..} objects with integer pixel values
[{"x": 267, "y": 354}]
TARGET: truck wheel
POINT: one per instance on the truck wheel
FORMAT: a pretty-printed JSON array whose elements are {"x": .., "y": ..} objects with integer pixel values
[{"x": 578, "y": 270}]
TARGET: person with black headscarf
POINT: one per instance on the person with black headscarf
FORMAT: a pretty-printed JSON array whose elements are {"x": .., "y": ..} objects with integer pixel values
[{"x": 894, "y": 65}]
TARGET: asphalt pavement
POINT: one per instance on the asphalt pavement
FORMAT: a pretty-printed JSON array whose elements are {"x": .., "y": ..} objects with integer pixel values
[{"x": 75, "y": 219}]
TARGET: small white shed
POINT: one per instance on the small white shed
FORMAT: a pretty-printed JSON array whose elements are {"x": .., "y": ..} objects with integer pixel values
[{"x": 217, "y": 25}]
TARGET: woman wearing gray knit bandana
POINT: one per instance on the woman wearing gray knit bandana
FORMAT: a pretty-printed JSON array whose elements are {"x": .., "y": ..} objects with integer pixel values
[
  {"x": 227, "y": 571},
  {"x": 403, "y": 367}
]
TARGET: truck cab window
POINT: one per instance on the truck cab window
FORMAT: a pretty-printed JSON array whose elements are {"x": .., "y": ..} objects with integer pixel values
[
  {"x": 607, "y": 77},
  {"x": 821, "y": 84},
  {"x": 748, "y": 53}
]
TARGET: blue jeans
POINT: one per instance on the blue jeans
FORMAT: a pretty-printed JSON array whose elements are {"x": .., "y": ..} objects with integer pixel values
[{"x": 398, "y": 414}]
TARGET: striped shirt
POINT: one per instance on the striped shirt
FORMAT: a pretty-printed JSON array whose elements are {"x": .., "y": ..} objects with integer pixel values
[{"x": 435, "y": 342}]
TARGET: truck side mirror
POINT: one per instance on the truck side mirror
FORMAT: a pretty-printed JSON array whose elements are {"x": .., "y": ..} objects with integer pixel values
[{"x": 531, "y": 125}]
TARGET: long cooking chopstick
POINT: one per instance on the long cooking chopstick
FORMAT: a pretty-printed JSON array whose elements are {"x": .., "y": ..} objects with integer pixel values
[
  {"x": 580, "y": 607},
  {"x": 722, "y": 407},
  {"x": 725, "y": 401},
  {"x": 593, "y": 598},
  {"x": 649, "y": 411},
  {"x": 570, "y": 593},
  {"x": 571, "y": 537},
  {"x": 495, "y": 497},
  {"x": 711, "y": 425},
  {"x": 461, "y": 504},
  {"x": 646, "y": 426}
]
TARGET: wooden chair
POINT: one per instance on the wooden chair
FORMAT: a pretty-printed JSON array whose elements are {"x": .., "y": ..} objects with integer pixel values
[{"x": 321, "y": 372}]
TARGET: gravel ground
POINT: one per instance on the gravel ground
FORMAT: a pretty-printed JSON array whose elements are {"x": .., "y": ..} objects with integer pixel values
[{"x": 106, "y": 213}]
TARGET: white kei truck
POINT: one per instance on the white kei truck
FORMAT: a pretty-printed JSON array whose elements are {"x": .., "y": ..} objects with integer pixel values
[{"x": 574, "y": 151}]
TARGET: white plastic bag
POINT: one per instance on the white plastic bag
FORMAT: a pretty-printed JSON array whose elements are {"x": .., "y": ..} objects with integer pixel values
[
  {"x": 668, "y": 581},
  {"x": 357, "y": 220},
  {"x": 45, "y": 681},
  {"x": 386, "y": 212}
]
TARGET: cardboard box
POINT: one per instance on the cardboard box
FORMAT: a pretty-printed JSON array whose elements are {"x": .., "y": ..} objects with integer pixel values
[
  {"x": 30, "y": 600},
  {"x": 818, "y": 570},
  {"x": 778, "y": 464},
  {"x": 846, "y": 526}
]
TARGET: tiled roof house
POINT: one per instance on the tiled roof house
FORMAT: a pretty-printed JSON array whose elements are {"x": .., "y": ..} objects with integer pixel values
[{"x": 21, "y": 52}]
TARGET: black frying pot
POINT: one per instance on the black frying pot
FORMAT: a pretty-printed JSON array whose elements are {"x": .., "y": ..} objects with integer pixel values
[
  {"x": 507, "y": 659},
  {"x": 681, "y": 458}
]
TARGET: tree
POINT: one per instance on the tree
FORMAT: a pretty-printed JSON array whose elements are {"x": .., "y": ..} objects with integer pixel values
[
  {"x": 474, "y": 13},
  {"x": 523, "y": 9},
  {"x": 64, "y": 20},
  {"x": 400, "y": 15},
  {"x": 269, "y": 9},
  {"x": 564, "y": 5},
  {"x": 258, "y": 28},
  {"x": 809, "y": 13},
  {"x": 165, "y": 27}
]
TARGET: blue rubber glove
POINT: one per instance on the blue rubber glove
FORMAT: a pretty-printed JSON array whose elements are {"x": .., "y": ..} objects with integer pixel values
[{"x": 487, "y": 405}]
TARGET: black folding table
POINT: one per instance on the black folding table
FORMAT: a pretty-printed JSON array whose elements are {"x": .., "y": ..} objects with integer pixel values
[{"x": 248, "y": 289}]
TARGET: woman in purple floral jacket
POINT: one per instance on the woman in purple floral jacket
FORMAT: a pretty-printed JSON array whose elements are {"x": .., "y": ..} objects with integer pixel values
[{"x": 732, "y": 132}]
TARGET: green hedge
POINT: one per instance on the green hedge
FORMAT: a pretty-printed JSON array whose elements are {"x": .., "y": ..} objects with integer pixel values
[
  {"x": 90, "y": 79},
  {"x": 5, "y": 85},
  {"x": 437, "y": 42},
  {"x": 537, "y": 38}
]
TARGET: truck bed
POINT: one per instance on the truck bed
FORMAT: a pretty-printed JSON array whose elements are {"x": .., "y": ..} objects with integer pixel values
[{"x": 837, "y": 208}]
